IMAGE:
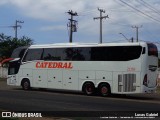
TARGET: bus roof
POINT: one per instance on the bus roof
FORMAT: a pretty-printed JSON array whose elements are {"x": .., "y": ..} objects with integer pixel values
[{"x": 59, "y": 45}]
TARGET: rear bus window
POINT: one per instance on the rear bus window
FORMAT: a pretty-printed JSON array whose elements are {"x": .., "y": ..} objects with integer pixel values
[{"x": 152, "y": 50}]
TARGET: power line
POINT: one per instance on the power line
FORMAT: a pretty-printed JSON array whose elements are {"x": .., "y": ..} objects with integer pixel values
[
  {"x": 140, "y": 11},
  {"x": 101, "y": 18},
  {"x": 151, "y": 7},
  {"x": 148, "y": 7},
  {"x": 5, "y": 26},
  {"x": 122, "y": 4},
  {"x": 123, "y": 10},
  {"x": 119, "y": 3},
  {"x": 15, "y": 27}
]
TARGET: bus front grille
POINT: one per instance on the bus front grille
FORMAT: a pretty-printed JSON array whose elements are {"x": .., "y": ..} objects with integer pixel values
[{"x": 126, "y": 83}]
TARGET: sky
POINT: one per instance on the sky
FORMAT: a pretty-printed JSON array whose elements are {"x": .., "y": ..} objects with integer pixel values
[{"x": 45, "y": 21}]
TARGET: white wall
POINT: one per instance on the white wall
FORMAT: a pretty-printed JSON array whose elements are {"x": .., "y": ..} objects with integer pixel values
[{"x": 3, "y": 72}]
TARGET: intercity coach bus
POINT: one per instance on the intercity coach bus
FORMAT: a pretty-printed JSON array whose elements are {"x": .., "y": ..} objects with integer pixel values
[{"x": 119, "y": 68}]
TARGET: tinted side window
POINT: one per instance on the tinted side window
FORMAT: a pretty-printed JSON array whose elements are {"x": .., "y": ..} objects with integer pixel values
[
  {"x": 85, "y": 53},
  {"x": 49, "y": 54},
  {"x": 115, "y": 53},
  {"x": 68, "y": 54},
  {"x": 53, "y": 54},
  {"x": 99, "y": 54},
  {"x": 60, "y": 54},
  {"x": 33, "y": 54},
  {"x": 80, "y": 54},
  {"x": 129, "y": 52}
]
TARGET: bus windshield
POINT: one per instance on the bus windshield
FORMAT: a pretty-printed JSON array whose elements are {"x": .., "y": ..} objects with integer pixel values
[
  {"x": 14, "y": 65},
  {"x": 19, "y": 52}
]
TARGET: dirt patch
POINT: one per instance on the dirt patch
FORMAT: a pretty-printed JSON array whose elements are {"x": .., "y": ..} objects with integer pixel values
[
  {"x": 4, "y": 86},
  {"x": 3, "y": 79}
]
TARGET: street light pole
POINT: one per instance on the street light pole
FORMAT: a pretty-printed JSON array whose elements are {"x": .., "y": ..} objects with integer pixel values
[{"x": 124, "y": 37}]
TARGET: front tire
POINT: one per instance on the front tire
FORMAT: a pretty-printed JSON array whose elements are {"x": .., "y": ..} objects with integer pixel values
[{"x": 25, "y": 84}]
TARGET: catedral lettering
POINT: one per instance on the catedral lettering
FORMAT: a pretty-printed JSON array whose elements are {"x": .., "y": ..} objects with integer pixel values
[{"x": 65, "y": 65}]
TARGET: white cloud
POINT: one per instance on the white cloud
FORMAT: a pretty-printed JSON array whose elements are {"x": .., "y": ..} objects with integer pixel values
[
  {"x": 51, "y": 10},
  {"x": 51, "y": 28},
  {"x": 54, "y": 10},
  {"x": 119, "y": 14},
  {"x": 3, "y": 2}
]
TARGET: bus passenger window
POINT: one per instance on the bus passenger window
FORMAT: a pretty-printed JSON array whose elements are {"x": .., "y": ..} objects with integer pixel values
[{"x": 33, "y": 54}]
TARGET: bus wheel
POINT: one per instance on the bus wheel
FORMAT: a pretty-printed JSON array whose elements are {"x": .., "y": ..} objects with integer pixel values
[
  {"x": 104, "y": 89},
  {"x": 88, "y": 88},
  {"x": 25, "y": 84}
]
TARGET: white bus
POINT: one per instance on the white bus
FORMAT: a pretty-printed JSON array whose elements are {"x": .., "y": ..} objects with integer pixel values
[{"x": 120, "y": 68}]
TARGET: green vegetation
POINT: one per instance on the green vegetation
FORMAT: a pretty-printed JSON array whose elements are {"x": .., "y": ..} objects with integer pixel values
[{"x": 8, "y": 44}]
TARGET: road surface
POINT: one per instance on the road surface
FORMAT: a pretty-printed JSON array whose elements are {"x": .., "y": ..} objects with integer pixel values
[{"x": 73, "y": 103}]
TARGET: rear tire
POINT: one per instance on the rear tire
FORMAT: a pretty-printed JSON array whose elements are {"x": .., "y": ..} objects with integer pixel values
[
  {"x": 89, "y": 88},
  {"x": 104, "y": 90},
  {"x": 25, "y": 84}
]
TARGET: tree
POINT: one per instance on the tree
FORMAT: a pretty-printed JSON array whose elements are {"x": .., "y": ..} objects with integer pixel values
[{"x": 8, "y": 44}]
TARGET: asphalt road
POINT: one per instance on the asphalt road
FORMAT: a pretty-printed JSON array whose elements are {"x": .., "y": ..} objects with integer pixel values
[{"x": 15, "y": 99}]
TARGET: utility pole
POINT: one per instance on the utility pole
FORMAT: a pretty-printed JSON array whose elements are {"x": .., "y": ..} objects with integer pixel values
[
  {"x": 16, "y": 27},
  {"x": 137, "y": 30},
  {"x": 72, "y": 24},
  {"x": 101, "y": 18}
]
